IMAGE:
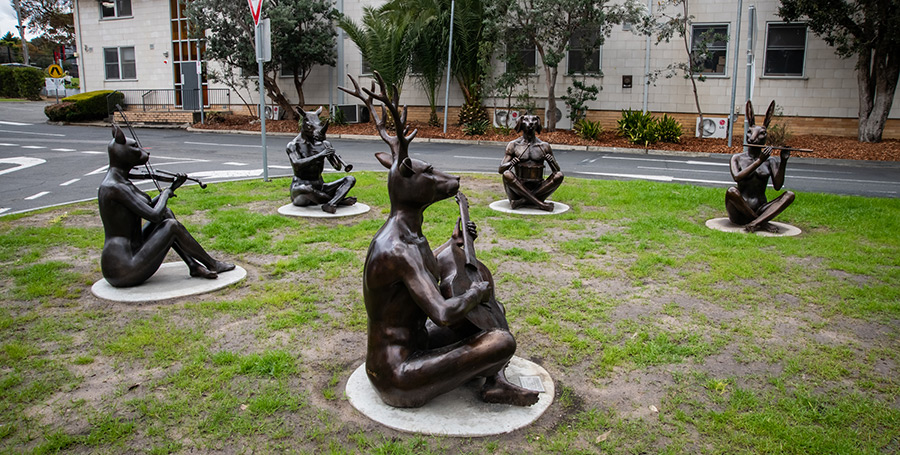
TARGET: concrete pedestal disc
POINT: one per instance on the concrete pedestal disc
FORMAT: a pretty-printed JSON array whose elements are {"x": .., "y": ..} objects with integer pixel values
[
  {"x": 725, "y": 225},
  {"x": 503, "y": 206},
  {"x": 171, "y": 280},
  {"x": 459, "y": 412},
  {"x": 315, "y": 211}
]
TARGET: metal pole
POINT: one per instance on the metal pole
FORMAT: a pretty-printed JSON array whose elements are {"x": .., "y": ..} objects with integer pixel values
[
  {"x": 200, "y": 88},
  {"x": 21, "y": 31},
  {"x": 751, "y": 37},
  {"x": 341, "y": 71},
  {"x": 647, "y": 63},
  {"x": 262, "y": 101},
  {"x": 737, "y": 44},
  {"x": 449, "y": 59}
]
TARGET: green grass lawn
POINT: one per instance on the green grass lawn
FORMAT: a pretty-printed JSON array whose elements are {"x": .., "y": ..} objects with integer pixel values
[{"x": 663, "y": 336}]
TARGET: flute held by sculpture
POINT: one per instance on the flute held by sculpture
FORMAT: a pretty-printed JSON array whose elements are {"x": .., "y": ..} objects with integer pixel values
[{"x": 779, "y": 147}]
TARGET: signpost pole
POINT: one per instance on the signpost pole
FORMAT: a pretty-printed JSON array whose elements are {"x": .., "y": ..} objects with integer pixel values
[{"x": 262, "y": 100}]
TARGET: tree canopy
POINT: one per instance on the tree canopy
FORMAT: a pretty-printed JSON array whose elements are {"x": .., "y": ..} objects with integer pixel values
[{"x": 865, "y": 30}]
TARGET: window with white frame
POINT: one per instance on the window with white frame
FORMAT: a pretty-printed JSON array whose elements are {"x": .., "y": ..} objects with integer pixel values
[
  {"x": 584, "y": 52},
  {"x": 709, "y": 44},
  {"x": 115, "y": 8},
  {"x": 785, "y": 50},
  {"x": 120, "y": 63}
]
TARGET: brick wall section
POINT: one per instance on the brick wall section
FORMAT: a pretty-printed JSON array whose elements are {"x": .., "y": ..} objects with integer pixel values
[{"x": 160, "y": 117}]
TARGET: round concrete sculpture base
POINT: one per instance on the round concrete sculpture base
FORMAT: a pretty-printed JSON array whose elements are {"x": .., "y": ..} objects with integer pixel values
[
  {"x": 171, "y": 280},
  {"x": 459, "y": 412},
  {"x": 725, "y": 225},
  {"x": 503, "y": 207},
  {"x": 315, "y": 211}
]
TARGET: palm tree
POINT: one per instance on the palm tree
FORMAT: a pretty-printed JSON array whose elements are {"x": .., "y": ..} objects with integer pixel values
[{"x": 386, "y": 42}]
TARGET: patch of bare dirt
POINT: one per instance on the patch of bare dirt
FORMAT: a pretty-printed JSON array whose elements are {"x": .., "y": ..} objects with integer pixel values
[{"x": 831, "y": 147}]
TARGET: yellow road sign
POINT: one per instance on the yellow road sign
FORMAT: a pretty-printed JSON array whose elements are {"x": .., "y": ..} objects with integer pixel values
[{"x": 55, "y": 71}]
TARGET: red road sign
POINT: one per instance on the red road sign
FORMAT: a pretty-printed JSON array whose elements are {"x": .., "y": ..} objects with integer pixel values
[{"x": 255, "y": 10}]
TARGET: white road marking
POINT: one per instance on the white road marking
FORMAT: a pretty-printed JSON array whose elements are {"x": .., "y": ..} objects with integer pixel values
[
  {"x": 659, "y": 160},
  {"x": 4, "y": 209},
  {"x": 651, "y": 168},
  {"x": 29, "y": 132},
  {"x": 64, "y": 150},
  {"x": 227, "y": 174},
  {"x": 9, "y": 145},
  {"x": 69, "y": 182},
  {"x": 14, "y": 123},
  {"x": 223, "y": 145},
  {"x": 842, "y": 180},
  {"x": 33, "y": 197},
  {"x": 278, "y": 166},
  {"x": 98, "y": 171},
  {"x": 33, "y": 147},
  {"x": 656, "y": 178},
  {"x": 232, "y": 163},
  {"x": 464, "y": 157},
  {"x": 22, "y": 162},
  {"x": 93, "y": 152}
]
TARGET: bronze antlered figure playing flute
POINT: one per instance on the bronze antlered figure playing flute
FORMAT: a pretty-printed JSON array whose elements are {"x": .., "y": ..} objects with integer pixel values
[
  {"x": 523, "y": 167},
  {"x": 746, "y": 204},
  {"x": 132, "y": 253},
  {"x": 434, "y": 324}
]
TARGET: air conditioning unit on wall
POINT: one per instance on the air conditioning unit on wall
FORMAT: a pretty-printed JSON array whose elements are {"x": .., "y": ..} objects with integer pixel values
[
  {"x": 563, "y": 122},
  {"x": 354, "y": 113},
  {"x": 273, "y": 112},
  {"x": 504, "y": 118},
  {"x": 713, "y": 127}
]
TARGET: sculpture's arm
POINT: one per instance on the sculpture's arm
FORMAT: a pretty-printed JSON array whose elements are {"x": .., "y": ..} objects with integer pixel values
[
  {"x": 153, "y": 211},
  {"x": 739, "y": 174},
  {"x": 298, "y": 163},
  {"x": 424, "y": 291},
  {"x": 509, "y": 159},
  {"x": 548, "y": 156},
  {"x": 778, "y": 174}
]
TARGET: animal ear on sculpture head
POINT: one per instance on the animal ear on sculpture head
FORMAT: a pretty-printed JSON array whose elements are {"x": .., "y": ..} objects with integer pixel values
[
  {"x": 770, "y": 112},
  {"x": 748, "y": 114},
  {"x": 385, "y": 159},
  {"x": 118, "y": 134},
  {"x": 405, "y": 167}
]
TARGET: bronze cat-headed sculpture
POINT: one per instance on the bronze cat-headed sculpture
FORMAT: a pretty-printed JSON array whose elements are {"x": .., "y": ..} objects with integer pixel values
[
  {"x": 421, "y": 342},
  {"x": 132, "y": 253},
  {"x": 523, "y": 167},
  {"x": 747, "y": 204},
  {"x": 308, "y": 152}
]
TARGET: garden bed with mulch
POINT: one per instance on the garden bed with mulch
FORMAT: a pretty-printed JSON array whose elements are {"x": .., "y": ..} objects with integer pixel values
[{"x": 823, "y": 146}]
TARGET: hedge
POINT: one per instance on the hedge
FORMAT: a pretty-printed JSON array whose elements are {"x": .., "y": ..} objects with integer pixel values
[
  {"x": 18, "y": 82},
  {"x": 84, "y": 106}
]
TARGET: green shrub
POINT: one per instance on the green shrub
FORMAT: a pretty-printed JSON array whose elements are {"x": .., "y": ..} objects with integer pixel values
[
  {"x": 30, "y": 82},
  {"x": 587, "y": 129},
  {"x": 59, "y": 112},
  {"x": 86, "y": 106},
  {"x": 476, "y": 128},
  {"x": 639, "y": 127},
  {"x": 669, "y": 129},
  {"x": 8, "y": 86}
]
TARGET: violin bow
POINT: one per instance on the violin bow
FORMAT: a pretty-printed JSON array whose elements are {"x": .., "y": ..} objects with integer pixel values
[{"x": 147, "y": 166}]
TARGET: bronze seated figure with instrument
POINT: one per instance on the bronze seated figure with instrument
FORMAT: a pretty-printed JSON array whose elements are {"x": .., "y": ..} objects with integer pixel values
[
  {"x": 523, "y": 167},
  {"x": 132, "y": 253},
  {"x": 433, "y": 321},
  {"x": 746, "y": 203},
  {"x": 308, "y": 152}
]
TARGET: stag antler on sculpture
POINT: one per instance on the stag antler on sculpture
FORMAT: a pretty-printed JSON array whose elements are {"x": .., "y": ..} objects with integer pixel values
[{"x": 399, "y": 143}]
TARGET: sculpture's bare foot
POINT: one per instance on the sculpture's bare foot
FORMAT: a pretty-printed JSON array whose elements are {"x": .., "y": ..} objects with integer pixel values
[
  {"x": 498, "y": 390},
  {"x": 546, "y": 206},
  {"x": 350, "y": 200},
  {"x": 223, "y": 266},
  {"x": 329, "y": 208},
  {"x": 516, "y": 203},
  {"x": 200, "y": 271},
  {"x": 769, "y": 227}
]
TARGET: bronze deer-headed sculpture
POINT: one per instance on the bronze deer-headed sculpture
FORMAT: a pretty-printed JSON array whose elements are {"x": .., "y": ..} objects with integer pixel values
[
  {"x": 746, "y": 204},
  {"x": 420, "y": 342}
]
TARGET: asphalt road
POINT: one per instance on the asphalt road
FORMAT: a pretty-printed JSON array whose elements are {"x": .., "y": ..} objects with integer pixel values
[{"x": 44, "y": 165}]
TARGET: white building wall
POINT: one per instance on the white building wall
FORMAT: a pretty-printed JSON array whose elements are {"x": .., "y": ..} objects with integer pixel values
[
  {"x": 147, "y": 30},
  {"x": 828, "y": 88}
]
